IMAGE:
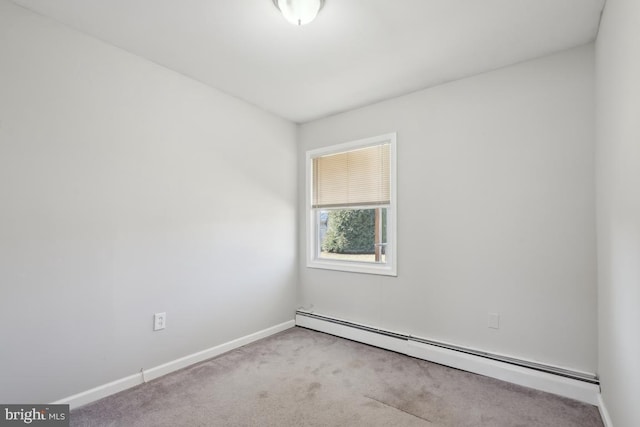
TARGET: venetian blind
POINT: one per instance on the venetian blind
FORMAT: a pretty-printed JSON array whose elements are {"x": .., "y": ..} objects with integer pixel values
[{"x": 353, "y": 178}]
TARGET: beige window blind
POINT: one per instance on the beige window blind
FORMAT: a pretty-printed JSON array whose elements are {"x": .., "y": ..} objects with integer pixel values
[{"x": 353, "y": 178}]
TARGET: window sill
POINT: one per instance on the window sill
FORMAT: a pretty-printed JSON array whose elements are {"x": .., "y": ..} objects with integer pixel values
[{"x": 354, "y": 267}]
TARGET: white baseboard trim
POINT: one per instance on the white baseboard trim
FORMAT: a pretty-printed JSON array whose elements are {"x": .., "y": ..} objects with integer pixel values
[
  {"x": 604, "y": 413},
  {"x": 183, "y": 362},
  {"x": 145, "y": 375},
  {"x": 551, "y": 383},
  {"x": 101, "y": 391}
]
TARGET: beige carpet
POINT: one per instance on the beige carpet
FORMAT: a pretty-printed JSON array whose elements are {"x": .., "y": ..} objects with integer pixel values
[{"x": 306, "y": 378}]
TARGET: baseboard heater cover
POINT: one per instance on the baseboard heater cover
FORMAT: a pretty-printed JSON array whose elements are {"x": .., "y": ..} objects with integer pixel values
[{"x": 573, "y": 384}]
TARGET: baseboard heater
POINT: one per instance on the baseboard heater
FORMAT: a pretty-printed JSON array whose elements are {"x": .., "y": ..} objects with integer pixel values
[{"x": 578, "y": 385}]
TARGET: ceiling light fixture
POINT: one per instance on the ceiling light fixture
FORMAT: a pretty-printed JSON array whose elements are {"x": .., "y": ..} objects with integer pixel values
[{"x": 299, "y": 12}]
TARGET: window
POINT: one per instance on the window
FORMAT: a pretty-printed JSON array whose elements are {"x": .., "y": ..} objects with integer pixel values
[{"x": 351, "y": 206}]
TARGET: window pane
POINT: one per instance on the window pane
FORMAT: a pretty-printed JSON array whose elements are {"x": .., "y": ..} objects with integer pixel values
[{"x": 352, "y": 234}]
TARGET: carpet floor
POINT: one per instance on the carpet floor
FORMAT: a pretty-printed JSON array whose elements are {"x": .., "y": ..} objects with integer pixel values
[{"x": 301, "y": 377}]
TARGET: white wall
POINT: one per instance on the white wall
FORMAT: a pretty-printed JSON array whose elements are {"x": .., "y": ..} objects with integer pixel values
[
  {"x": 495, "y": 213},
  {"x": 618, "y": 176},
  {"x": 127, "y": 189}
]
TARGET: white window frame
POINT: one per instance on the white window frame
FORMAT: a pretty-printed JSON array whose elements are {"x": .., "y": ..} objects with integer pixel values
[{"x": 389, "y": 268}]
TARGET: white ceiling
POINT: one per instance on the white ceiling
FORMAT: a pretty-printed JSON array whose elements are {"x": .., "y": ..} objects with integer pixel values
[{"x": 355, "y": 53}]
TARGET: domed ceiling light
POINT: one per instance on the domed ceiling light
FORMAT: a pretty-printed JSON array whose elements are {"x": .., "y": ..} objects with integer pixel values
[{"x": 299, "y": 12}]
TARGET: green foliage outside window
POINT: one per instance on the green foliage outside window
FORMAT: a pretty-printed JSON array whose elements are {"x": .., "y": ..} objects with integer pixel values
[{"x": 352, "y": 231}]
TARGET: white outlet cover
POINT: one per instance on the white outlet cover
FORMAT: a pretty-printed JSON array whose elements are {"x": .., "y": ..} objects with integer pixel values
[
  {"x": 159, "y": 321},
  {"x": 494, "y": 320}
]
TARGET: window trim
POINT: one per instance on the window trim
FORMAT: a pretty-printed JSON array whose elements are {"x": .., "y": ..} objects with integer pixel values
[{"x": 390, "y": 267}]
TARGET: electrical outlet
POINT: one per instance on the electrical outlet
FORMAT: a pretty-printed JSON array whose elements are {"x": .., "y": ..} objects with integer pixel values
[
  {"x": 494, "y": 320},
  {"x": 159, "y": 321}
]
